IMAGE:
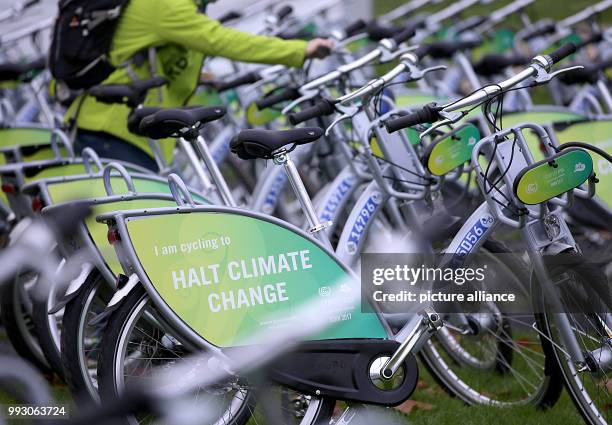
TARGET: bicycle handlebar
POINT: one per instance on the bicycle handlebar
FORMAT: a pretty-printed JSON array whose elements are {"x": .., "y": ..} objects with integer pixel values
[
  {"x": 283, "y": 12},
  {"x": 428, "y": 114},
  {"x": 355, "y": 28},
  {"x": 446, "y": 49},
  {"x": 248, "y": 78},
  {"x": 359, "y": 63},
  {"x": 322, "y": 108},
  {"x": 230, "y": 16},
  {"x": 284, "y": 95},
  {"x": 547, "y": 26},
  {"x": 432, "y": 113},
  {"x": 562, "y": 52}
]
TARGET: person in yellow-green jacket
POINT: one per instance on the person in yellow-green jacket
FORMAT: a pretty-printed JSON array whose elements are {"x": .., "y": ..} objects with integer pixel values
[{"x": 183, "y": 36}]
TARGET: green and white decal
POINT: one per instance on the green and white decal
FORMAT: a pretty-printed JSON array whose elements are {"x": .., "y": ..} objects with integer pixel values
[
  {"x": 38, "y": 140},
  {"x": 228, "y": 276},
  {"x": 598, "y": 133},
  {"x": 451, "y": 150},
  {"x": 552, "y": 177}
]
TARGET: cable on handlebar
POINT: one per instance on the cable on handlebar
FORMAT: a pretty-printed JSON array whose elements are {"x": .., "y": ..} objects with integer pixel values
[{"x": 586, "y": 146}]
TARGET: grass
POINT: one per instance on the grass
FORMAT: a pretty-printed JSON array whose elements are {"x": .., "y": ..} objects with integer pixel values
[
  {"x": 448, "y": 410},
  {"x": 539, "y": 9}
]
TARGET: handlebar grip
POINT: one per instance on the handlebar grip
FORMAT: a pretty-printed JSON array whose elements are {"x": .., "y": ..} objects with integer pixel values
[
  {"x": 494, "y": 63},
  {"x": 230, "y": 16},
  {"x": 323, "y": 52},
  {"x": 404, "y": 35},
  {"x": 152, "y": 83},
  {"x": 322, "y": 108},
  {"x": 471, "y": 23},
  {"x": 428, "y": 114},
  {"x": 595, "y": 38},
  {"x": 248, "y": 78},
  {"x": 562, "y": 52},
  {"x": 289, "y": 93},
  {"x": 355, "y": 28},
  {"x": 283, "y": 12},
  {"x": 377, "y": 32},
  {"x": 421, "y": 51},
  {"x": 604, "y": 65},
  {"x": 544, "y": 28}
]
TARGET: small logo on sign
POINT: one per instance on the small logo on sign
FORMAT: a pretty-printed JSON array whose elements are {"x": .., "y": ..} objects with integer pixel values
[
  {"x": 579, "y": 167},
  {"x": 439, "y": 159},
  {"x": 471, "y": 141},
  {"x": 532, "y": 188},
  {"x": 324, "y": 291}
]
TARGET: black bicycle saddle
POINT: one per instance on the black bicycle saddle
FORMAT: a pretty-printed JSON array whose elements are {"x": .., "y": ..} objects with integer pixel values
[
  {"x": 252, "y": 144},
  {"x": 132, "y": 94},
  {"x": 178, "y": 122},
  {"x": 136, "y": 117}
]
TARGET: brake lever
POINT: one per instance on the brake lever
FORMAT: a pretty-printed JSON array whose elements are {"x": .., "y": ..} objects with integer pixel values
[
  {"x": 543, "y": 77},
  {"x": 348, "y": 112},
  {"x": 449, "y": 118},
  {"x": 388, "y": 55},
  {"x": 305, "y": 97},
  {"x": 415, "y": 73}
]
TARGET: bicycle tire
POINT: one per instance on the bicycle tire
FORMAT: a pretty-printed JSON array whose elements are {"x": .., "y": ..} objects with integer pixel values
[{"x": 109, "y": 388}]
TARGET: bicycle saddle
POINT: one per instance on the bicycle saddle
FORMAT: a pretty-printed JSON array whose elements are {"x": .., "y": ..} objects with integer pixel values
[
  {"x": 21, "y": 71},
  {"x": 252, "y": 144},
  {"x": 178, "y": 122},
  {"x": 136, "y": 117},
  {"x": 132, "y": 94}
]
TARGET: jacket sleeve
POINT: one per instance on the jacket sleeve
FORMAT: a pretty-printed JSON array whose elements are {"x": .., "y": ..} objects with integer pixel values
[{"x": 180, "y": 22}]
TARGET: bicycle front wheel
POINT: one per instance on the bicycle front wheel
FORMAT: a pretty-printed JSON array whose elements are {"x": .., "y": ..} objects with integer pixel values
[
  {"x": 503, "y": 364},
  {"x": 584, "y": 326},
  {"x": 135, "y": 343}
]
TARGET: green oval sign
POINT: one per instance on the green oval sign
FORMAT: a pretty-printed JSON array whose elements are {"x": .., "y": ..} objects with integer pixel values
[
  {"x": 451, "y": 150},
  {"x": 553, "y": 176}
]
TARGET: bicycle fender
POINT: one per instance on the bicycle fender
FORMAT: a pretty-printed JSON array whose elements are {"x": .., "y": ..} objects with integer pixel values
[
  {"x": 73, "y": 288},
  {"x": 115, "y": 301}
]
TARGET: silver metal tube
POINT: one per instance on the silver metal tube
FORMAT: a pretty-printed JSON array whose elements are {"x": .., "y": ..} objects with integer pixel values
[
  {"x": 605, "y": 94},
  {"x": 489, "y": 91},
  {"x": 450, "y": 11},
  {"x": 428, "y": 323},
  {"x": 403, "y": 10},
  {"x": 194, "y": 161},
  {"x": 501, "y": 14},
  {"x": 468, "y": 70},
  {"x": 301, "y": 193},
  {"x": 342, "y": 70},
  {"x": 16, "y": 35},
  {"x": 374, "y": 85},
  {"x": 213, "y": 169},
  {"x": 585, "y": 14}
]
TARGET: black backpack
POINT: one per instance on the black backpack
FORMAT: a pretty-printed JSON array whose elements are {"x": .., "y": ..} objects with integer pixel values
[{"x": 82, "y": 37}]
